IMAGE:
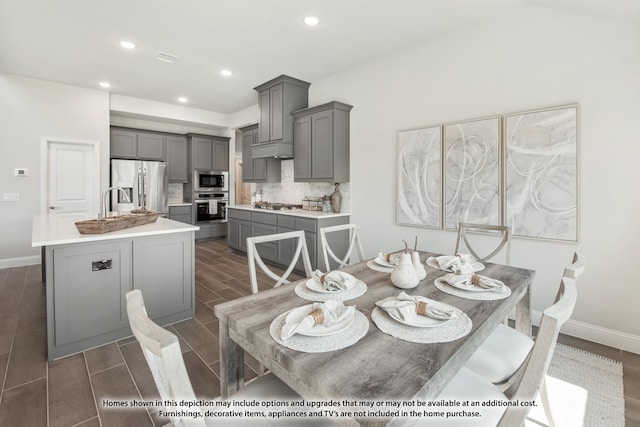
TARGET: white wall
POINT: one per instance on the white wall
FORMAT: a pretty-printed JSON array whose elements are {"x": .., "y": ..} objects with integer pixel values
[
  {"x": 29, "y": 110},
  {"x": 535, "y": 59}
]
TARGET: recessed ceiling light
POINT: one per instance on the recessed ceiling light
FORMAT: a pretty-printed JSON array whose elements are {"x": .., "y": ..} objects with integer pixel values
[
  {"x": 226, "y": 73},
  {"x": 311, "y": 20},
  {"x": 105, "y": 84},
  {"x": 127, "y": 45},
  {"x": 182, "y": 99}
]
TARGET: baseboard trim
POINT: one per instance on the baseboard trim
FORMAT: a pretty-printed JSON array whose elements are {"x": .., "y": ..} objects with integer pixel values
[
  {"x": 597, "y": 334},
  {"x": 19, "y": 262}
]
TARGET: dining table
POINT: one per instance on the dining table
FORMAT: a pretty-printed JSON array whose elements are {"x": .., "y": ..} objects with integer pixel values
[{"x": 378, "y": 367}]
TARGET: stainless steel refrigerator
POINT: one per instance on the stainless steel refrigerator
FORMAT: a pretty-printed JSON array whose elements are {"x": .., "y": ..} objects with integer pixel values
[{"x": 145, "y": 182}]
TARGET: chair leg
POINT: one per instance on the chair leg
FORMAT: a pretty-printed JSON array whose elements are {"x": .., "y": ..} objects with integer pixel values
[
  {"x": 261, "y": 370},
  {"x": 545, "y": 403}
]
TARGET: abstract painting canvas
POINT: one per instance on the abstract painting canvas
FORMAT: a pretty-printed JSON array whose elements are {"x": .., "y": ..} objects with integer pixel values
[
  {"x": 542, "y": 173},
  {"x": 420, "y": 177},
  {"x": 472, "y": 172}
]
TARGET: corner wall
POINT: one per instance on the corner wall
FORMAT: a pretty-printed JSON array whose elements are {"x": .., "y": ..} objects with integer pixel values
[{"x": 534, "y": 59}]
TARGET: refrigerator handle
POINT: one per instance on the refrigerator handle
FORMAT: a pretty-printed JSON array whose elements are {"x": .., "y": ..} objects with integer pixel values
[
  {"x": 139, "y": 188},
  {"x": 144, "y": 187}
]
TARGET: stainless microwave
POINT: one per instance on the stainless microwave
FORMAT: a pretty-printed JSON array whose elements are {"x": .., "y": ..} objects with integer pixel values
[{"x": 211, "y": 180}]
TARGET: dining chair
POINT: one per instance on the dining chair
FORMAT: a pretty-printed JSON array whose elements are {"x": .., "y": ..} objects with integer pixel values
[
  {"x": 254, "y": 257},
  {"x": 162, "y": 352},
  {"x": 465, "y": 242},
  {"x": 501, "y": 357},
  {"x": 354, "y": 244},
  {"x": 469, "y": 385}
]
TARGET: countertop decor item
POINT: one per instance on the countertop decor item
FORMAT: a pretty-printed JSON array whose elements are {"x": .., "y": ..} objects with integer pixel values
[
  {"x": 115, "y": 223},
  {"x": 336, "y": 199}
]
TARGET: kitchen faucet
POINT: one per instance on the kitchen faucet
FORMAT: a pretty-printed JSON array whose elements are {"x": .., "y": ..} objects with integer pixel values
[{"x": 103, "y": 208}]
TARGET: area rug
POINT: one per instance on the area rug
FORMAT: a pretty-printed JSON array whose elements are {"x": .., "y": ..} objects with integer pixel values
[{"x": 585, "y": 390}]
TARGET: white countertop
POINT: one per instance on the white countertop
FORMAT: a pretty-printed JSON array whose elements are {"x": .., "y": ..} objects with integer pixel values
[
  {"x": 61, "y": 230},
  {"x": 292, "y": 212}
]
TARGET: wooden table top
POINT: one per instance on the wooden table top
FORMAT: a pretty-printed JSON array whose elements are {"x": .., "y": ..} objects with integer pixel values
[{"x": 379, "y": 366}]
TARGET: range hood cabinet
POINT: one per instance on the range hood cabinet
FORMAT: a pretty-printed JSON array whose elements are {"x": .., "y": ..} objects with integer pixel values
[{"x": 272, "y": 150}]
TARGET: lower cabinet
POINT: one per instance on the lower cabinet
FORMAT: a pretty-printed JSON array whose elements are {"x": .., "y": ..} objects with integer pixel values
[
  {"x": 87, "y": 282},
  {"x": 246, "y": 223},
  {"x": 181, "y": 213}
]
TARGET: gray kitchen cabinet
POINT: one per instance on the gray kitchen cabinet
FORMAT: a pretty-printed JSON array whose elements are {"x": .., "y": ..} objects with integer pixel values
[
  {"x": 87, "y": 282},
  {"x": 257, "y": 170},
  {"x": 166, "y": 286},
  {"x": 277, "y": 99},
  {"x": 90, "y": 299},
  {"x": 260, "y": 223},
  {"x": 135, "y": 144},
  {"x": 177, "y": 158},
  {"x": 321, "y": 143},
  {"x": 209, "y": 152},
  {"x": 181, "y": 213}
]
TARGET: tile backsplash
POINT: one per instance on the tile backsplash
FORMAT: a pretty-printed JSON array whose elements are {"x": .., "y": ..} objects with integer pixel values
[
  {"x": 288, "y": 191},
  {"x": 175, "y": 193}
]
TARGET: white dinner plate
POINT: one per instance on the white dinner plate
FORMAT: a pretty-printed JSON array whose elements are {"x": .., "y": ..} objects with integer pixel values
[
  {"x": 297, "y": 314},
  {"x": 475, "y": 265},
  {"x": 316, "y": 286},
  {"x": 383, "y": 262},
  {"x": 469, "y": 287},
  {"x": 420, "y": 321}
]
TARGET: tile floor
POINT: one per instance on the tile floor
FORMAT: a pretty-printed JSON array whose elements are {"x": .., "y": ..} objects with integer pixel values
[{"x": 70, "y": 391}]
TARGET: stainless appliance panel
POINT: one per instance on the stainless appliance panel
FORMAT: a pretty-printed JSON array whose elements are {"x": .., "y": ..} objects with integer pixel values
[
  {"x": 145, "y": 182},
  {"x": 211, "y": 180}
]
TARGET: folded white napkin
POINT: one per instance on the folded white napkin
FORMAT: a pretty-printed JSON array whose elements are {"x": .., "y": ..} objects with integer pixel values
[
  {"x": 393, "y": 258},
  {"x": 459, "y": 264},
  {"x": 334, "y": 280},
  {"x": 474, "y": 280},
  {"x": 325, "y": 313},
  {"x": 407, "y": 307}
]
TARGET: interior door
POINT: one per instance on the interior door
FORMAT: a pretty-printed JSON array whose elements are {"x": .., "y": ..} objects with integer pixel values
[{"x": 72, "y": 178}]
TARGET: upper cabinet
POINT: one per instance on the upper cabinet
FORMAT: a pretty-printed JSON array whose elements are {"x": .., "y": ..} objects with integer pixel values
[
  {"x": 209, "y": 152},
  {"x": 134, "y": 144},
  {"x": 321, "y": 143},
  {"x": 256, "y": 170},
  {"x": 277, "y": 99},
  {"x": 177, "y": 158}
]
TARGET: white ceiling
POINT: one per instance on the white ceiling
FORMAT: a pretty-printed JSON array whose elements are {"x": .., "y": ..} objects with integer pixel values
[{"x": 77, "y": 41}]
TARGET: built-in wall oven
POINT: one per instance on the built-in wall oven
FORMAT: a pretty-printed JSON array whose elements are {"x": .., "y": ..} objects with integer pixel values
[
  {"x": 210, "y": 181},
  {"x": 210, "y": 207}
]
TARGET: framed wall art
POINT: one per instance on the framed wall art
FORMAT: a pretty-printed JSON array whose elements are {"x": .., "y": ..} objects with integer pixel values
[
  {"x": 420, "y": 177},
  {"x": 541, "y": 173},
  {"x": 472, "y": 172}
]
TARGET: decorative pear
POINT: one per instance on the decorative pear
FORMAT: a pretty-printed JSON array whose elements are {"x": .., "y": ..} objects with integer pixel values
[
  {"x": 404, "y": 274},
  {"x": 419, "y": 266}
]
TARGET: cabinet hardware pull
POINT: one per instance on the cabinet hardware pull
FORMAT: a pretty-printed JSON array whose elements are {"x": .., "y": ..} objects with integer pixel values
[{"x": 105, "y": 264}]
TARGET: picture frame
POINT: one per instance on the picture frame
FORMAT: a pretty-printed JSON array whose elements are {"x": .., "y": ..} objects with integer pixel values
[
  {"x": 472, "y": 172},
  {"x": 419, "y": 200},
  {"x": 541, "y": 171}
]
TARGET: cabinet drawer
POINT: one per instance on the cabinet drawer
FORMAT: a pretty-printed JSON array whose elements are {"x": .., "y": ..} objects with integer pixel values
[
  {"x": 179, "y": 210},
  {"x": 286, "y": 221},
  {"x": 306, "y": 224},
  {"x": 244, "y": 215},
  {"x": 265, "y": 218},
  {"x": 231, "y": 213}
]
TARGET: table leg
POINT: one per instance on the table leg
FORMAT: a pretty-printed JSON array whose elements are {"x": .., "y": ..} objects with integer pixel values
[
  {"x": 523, "y": 313},
  {"x": 231, "y": 363}
]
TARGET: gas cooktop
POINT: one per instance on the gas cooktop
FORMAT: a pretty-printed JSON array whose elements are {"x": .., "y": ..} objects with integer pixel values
[{"x": 276, "y": 206}]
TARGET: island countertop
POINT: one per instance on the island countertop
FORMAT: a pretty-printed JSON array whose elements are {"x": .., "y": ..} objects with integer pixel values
[
  {"x": 59, "y": 230},
  {"x": 293, "y": 212}
]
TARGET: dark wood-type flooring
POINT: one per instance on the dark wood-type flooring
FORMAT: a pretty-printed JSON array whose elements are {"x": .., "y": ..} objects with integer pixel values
[{"x": 70, "y": 391}]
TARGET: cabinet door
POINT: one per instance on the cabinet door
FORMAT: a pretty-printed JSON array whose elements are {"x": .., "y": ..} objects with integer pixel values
[
  {"x": 244, "y": 232},
  {"x": 322, "y": 145},
  {"x": 90, "y": 286},
  {"x": 276, "y": 111},
  {"x": 247, "y": 160},
  {"x": 264, "y": 124},
  {"x": 268, "y": 250},
  {"x": 124, "y": 144},
  {"x": 302, "y": 147},
  {"x": 233, "y": 234},
  {"x": 177, "y": 159},
  {"x": 203, "y": 153},
  {"x": 150, "y": 146},
  {"x": 167, "y": 285},
  {"x": 220, "y": 151}
]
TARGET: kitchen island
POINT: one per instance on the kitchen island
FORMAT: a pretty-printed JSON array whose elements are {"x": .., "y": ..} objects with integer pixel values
[
  {"x": 247, "y": 221},
  {"x": 88, "y": 275}
]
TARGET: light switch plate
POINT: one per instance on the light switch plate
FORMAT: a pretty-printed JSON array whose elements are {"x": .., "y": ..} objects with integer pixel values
[
  {"x": 21, "y": 172},
  {"x": 10, "y": 197}
]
